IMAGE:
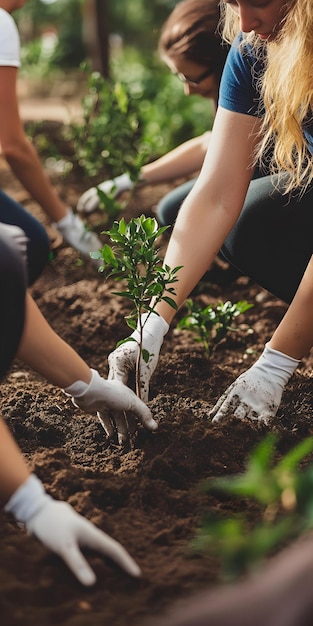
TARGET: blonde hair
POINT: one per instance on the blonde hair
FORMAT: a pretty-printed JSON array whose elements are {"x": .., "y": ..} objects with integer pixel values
[{"x": 287, "y": 91}]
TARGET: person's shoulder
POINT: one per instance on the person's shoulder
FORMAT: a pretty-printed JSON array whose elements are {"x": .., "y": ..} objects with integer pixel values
[
  {"x": 9, "y": 40},
  {"x": 6, "y": 20},
  {"x": 248, "y": 51}
]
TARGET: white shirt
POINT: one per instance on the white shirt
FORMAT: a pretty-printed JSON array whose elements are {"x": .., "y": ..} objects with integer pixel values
[{"x": 9, "y": 41}]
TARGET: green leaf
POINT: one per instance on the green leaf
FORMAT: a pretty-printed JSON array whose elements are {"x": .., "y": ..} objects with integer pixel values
[
  {"x": 108, "y": 255},
  {"x": 120, "y": 343},
  {"x": 145, "y": 355},
  {"x": 170, "y": 301},
  {"x": 292, "y": 459}
]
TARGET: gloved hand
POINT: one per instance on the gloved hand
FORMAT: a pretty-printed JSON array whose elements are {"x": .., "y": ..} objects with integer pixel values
[
  {"x": 123, "y": 360},
  {"x": 89, "y": 201},
  {"x": 64, "y": 531},
  {"x": 256, "y": 394},
  {"x": 74, "y": 231},
  {"x": 102, "y": 394},
  {"x": 17, "y": 236}
]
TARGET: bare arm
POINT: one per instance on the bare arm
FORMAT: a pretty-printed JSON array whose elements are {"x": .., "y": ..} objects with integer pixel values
[
  {"x": 294, "y": 335},
  {"x": 19, "y": 152},
  {"x": 214, "y": 204},
  {"x": 46, "y": 353},
  {"x": 13, "y": 468},
  {"x": 184, "y": 160}
]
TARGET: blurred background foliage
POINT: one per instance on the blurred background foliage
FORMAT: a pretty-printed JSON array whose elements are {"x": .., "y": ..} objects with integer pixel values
[{"x": 118, "y": 39}]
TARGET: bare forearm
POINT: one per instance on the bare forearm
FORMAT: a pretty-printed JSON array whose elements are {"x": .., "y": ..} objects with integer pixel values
[
  {"x": 184, "y": 160},
  {"x": 27, "y": 167},
  {"x": 46, "y": 353},
  {"x": 212, "y": 207},
  {"x": 294, "y": 335},
  {"x": 13, "y": 468},
  {"x": 197, "y": 237}
]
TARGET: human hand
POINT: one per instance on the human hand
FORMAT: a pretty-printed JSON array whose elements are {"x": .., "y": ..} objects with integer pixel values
[
  {"x": 17, "y": 236},
  {"x": 62, "y": 530},
  {"x": 89, "y": 201},
  {"x": 114, "y": 395},
  {"x": 256, "y": 394},
  {"x": 123, "y": 360}
]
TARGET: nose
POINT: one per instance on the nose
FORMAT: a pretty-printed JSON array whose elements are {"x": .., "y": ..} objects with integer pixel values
[{"x": 248, "y": 19}]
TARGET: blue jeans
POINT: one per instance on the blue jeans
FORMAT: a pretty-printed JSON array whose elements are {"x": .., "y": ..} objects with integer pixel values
[{"x": 38, "y": 249}]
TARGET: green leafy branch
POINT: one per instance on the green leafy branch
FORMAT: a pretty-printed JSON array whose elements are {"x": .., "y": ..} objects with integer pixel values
[
  {"x": 134, "y": 259},
  {"x": 284, "y": 493}
]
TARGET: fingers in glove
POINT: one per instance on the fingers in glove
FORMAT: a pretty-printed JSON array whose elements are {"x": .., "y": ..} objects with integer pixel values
[
  {"x": 242, "y": 411},
  {"x": 106, "y": 424},
  {"x": 95, "y": 539},
  {"x": 77, "y": 563},
  {"x": 120, "y": 365},
  {"x": 89, "y": 201},
  {"x": 120, "y": 420},
  {"x": 265, "y": 417},
  {"x": 226, "y": 405},
  {"x": 128, "y": 422}
]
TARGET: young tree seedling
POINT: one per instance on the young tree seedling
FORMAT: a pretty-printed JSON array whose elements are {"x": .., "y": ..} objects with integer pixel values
[
  {"x": 211, "y": 324},
  {"x": 135, "y": 260}
]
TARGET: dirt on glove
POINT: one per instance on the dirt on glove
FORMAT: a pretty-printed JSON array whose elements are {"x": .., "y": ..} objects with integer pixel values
[{"x": 148, "y": 497}]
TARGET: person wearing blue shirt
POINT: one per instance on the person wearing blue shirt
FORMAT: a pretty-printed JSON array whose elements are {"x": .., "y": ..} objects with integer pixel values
[{"x": 263, "y": 226}]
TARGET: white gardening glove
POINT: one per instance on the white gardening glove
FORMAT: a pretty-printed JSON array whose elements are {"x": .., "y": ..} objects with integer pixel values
[
  {"x": 123, "y": 360},
  {"x": 103, "y": 394},
  {"x": 89, "y": 201},
  {"x": 18, "y": 238},
  {"x": 77, "y": 235},
  {"x": 256, "y": 394},
  {"x": 64, "y": 531}
]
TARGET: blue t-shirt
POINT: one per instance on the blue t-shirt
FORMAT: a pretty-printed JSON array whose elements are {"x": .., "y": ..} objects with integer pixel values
[{"x": 239, "y": 89}]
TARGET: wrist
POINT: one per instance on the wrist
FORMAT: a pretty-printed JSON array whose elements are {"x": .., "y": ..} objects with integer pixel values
[
  {"x": 154, "y": 324},
  {"x": 80, "y": 389},
  {"x": 27, "y": 500},
  {"x": 280, "y": 359},
  {"x": 277, "y": 363}
]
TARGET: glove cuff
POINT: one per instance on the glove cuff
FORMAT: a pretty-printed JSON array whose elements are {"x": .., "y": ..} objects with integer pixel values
[
  {"x": 27, "y": 500},
  {"x": 66, "y": 221},
  {"x": 79, "y": 387},
  {"x": 281, "y": 363},
  {"x": 122, "y": 182},
  {"x": 154, "y": 324},
  {"x": 84, "y": 399}
]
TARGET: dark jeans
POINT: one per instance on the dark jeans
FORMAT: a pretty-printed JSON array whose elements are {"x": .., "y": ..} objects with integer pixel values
[
  {"x": 12, "y": 303},
  {"x": 38, "y": 248},
  {"x": 271, "y": 242}
]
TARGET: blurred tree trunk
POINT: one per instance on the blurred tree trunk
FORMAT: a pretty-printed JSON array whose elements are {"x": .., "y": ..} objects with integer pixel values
[{"x": 96, "y": 34}]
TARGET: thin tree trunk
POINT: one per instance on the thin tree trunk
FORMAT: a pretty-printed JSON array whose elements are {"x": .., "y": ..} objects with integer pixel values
[{"x": 96, "y": 35}]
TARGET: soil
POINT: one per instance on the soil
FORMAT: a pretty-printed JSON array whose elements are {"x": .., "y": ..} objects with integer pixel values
[{"x": 148, "y": 496}]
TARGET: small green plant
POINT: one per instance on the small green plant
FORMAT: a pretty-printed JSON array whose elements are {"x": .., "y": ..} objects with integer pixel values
[
  {"x": 108, "y": 140},
  {"x": 134, "y": 259},
  {"x": 109, "y": 205},
  {"x": 212, "y": 323},
  {"x": 285, "y": 496}
]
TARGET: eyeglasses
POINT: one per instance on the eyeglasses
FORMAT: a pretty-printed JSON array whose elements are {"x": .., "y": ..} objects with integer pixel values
[{"x": 194, "y": 83}]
